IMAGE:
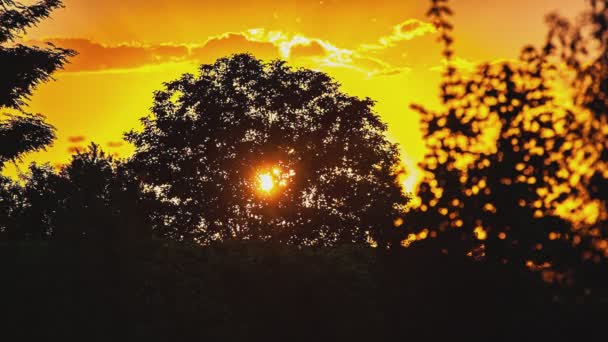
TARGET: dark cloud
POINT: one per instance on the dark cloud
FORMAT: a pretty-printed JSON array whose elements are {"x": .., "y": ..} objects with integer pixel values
[
  {"x": 77, "y": 139},
  {"x": 93, "y": 56},
  {"x": 115, "y": 144}
]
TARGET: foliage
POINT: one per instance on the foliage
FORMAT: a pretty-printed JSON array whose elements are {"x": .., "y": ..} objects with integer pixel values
[
  {"x": 209, "y": 136},
  {"x": 22, "y": 134},
  {"x": 9, "y": 199},
  {"x": 22, "y": 68},
  {"x": 508, "y": 161},
  {"x": 93, "y": 197},
  {"x": 583, "y": 47}
]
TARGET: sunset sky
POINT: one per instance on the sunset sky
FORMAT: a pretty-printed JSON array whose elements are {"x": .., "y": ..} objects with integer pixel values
[{"x": 381, "y": 49}]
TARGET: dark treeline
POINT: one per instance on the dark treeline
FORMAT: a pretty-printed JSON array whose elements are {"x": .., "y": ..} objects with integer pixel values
[
  {"x": 164, "y": 291},
  {"x": 179, "y": 240}
]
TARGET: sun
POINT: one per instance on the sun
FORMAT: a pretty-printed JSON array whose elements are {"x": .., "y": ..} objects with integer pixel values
[
  {"x": 265, "y": 182},
  {"x": 269, "y": 180}
]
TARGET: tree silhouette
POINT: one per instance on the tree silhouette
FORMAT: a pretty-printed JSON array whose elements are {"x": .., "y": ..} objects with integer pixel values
[
  {"x": 505, "y": 159},
  {"x": 212, "y": 136},
  {"x": 93, "y": 197},
  {"x": 21, "y": 134},
  {"x": 102, "y": 199},
  {"x": 9, "y": 198},
  {"x": 22, "y": 68},
  {"x": 583, "y": 47}
]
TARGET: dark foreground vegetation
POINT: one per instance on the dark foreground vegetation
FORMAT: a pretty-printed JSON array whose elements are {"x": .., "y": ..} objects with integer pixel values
[{"x": 164, "y": 291}]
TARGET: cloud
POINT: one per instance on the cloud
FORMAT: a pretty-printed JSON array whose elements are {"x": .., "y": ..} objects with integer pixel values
[
  {"x": 308, "y": 49},
  {"x": 389, "y": 72},
  {"x": 369, "y": 63},
  {"x": 318, "y": 53},
  {"x": 405, "y": 31},
  {"x": 231, "y": 43},
  {"x": 372, "y": 66},
  {"x": 268, "y": 45},
  {"x": 115, "y": 144},
  {"x": 75, "y": 149},
  {"x": 293, "y": 46},
  {"x": 175, "y": 52},
  {"x": 93, "y": 56},
  {"x": 77, "y": 139}
]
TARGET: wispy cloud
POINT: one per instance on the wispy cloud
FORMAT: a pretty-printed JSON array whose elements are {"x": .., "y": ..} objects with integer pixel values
[
  {"x": 404, "y": 31},
  {"x": 319, "y": 53}
]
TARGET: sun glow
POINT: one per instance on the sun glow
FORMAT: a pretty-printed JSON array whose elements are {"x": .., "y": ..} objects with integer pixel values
[
  {"x": 265, "y": 182},
  {"x": 269, "y": 180}
]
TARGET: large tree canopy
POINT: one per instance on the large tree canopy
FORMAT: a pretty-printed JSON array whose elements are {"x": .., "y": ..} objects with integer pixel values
[{"x": 253, "y": 150}]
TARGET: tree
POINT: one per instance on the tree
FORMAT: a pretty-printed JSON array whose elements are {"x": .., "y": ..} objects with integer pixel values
[
  {"x": 21, "y": 134},
  {"x": 253, "y": 150},
  {"x": 22, "y": 68},
  {"x": 9, "y": 199},
  {"x": 102, "y": 199},
  {"x": 504, "y": 161},
  {"x": 583, "y": 46},
  {"x": 94, "y": 197}
]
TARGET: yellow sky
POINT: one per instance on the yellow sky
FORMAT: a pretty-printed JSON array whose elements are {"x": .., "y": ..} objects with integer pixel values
[{"x": 381, "y": 49}]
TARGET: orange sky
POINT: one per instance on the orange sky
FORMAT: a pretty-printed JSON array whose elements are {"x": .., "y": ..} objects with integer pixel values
[{"x": 381, "y": 49}]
